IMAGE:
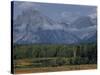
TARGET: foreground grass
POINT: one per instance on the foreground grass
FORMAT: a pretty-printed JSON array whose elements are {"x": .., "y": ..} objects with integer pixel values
[{"x": 53, "y": 69}]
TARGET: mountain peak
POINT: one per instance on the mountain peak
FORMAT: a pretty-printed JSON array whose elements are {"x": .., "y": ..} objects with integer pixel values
[{"x": 82, "y": 22}]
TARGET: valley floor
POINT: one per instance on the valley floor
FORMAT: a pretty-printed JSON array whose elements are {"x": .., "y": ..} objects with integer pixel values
[{"x": 53, "y": 69}]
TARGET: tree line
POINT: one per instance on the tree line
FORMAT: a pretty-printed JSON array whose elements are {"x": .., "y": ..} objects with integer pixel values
[{"x": 84, "y": 53}]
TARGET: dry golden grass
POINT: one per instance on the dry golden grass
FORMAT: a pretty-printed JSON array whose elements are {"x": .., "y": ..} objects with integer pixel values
[{"x": 52, "y": 69}]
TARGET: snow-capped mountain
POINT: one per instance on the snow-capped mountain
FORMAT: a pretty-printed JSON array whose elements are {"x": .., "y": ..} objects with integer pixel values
[
  {"x": 34, "y": 27},
  {"x": 29, "y": 22}
]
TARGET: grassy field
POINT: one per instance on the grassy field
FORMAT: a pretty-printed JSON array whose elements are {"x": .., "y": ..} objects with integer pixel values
[
  {"x": 53, "y": 69},
  {"x": 29, "y": 66}
]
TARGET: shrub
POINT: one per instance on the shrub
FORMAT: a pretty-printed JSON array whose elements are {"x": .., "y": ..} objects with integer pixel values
[{"x": 61, "y": 61}]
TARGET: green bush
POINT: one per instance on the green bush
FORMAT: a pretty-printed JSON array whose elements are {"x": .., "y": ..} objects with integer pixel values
[{"x": 60, "y": 61}]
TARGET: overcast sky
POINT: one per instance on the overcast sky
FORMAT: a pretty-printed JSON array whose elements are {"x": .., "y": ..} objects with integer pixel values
[{"x": 55, "y": 11}]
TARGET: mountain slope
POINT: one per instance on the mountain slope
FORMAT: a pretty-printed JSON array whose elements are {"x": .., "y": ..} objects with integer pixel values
[
  {"x": 33, "y": 27},
  {"x": 82, "y": 22}
]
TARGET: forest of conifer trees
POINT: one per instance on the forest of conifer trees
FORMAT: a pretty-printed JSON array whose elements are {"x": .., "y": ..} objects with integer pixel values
[{"x": 55, "y": 55}]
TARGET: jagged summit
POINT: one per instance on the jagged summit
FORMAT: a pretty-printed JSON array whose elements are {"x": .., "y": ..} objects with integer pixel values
[{"x": 34, "y": 27}]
